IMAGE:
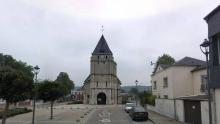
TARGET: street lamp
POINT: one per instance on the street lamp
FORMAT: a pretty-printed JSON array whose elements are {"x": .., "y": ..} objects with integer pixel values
[
  {"x": 36, "y": 71},
  {"x": 136, "y": 82},
  {"x": 205, "y": 49}
]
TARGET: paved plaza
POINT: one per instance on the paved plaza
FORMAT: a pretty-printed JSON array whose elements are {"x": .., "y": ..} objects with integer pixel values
[{"x": 86, "y": 114}]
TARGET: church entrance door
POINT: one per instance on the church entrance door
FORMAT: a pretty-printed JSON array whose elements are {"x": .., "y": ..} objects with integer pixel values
[{"x": 101, "y": 99}]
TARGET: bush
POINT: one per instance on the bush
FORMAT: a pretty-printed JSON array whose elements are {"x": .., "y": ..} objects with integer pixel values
[
  {"x": 75, "y": 102},
  {"x": 147, "y": 98},
  {"x": 16, "y": 111}
]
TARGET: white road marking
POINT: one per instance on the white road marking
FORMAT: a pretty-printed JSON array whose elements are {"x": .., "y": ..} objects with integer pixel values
[{"x": 105, "y": 116}]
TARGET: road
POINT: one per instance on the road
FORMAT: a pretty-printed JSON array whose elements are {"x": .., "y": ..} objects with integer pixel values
[{"x": 112, "y": 115}]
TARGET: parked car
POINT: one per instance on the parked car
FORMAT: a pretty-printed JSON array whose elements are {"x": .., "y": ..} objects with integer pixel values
[
  {"x": 128, "y": 107},
  {"x": 138, "y": 113}
]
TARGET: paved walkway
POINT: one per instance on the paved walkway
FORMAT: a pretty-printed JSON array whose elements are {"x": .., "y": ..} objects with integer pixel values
[
  {"x": 89, "y": 114},
  {"x": 160, "y": 119},
  {"x": 63, "y": 114}
]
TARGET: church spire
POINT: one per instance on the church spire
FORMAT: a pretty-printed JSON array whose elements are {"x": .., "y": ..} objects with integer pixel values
[{"x": 102, "y": 47}]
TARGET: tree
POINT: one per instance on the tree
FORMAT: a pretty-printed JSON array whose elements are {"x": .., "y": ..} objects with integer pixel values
[
  {"x": 63, "y": 78},
  {"x": 146, "y": 98},
  {"x": 133, "y": 91},
  {"x": 165, "y": 59},
  {"x": 50, "y": 91},
  {"x": 16, "y": 81}
]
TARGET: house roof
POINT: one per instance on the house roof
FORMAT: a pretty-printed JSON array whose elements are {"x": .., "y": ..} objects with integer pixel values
[
  {"x": 194, "y": 98},
  {"x": 212, "y": 13},
  {"x": 186, "y": 61},
  {"x": 202, "y": 67},
  {"x": 102, "y": 47},
  {"x": 163, "y": 66}
]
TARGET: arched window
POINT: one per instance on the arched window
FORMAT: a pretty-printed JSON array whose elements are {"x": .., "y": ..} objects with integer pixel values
[
  {"x": 97, "y": 84},
  {"x": 106, "y": 84}
]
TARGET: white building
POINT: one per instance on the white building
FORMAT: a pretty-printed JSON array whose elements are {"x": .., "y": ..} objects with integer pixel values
[
  {"x": 184, "y": 78},
  {"x": 181, "y": 90}
]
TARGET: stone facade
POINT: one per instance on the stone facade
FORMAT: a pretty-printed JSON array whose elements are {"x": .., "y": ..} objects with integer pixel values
[{"x": 102, "y": 86}]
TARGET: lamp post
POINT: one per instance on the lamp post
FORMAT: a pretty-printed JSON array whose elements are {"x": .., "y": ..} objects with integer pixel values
[
  {"x": 36, "y": 71},
  {"x": 205, "y": 49},
  {"x": 136, "y": 83}
]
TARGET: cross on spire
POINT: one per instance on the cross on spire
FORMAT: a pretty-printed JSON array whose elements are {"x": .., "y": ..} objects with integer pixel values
[{"x": 102, "y": 29}]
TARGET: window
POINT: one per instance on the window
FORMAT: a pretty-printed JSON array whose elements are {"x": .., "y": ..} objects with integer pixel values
[
  {"x": 106, "y": 57},
  {"x": 203, "y": 83},
  {"x": 165, "y": 96},
  {"x": 155, "y": 85},
  {"x": 165, "y": 82},
  {"x": 98, "y": 57},
  {"x": 97, "y": 84},
  {"x": 106, "y": 84}
]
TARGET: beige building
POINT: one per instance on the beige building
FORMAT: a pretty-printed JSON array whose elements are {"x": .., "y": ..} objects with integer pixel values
[
  {"x": 180, "y": 90},
  {"x": 102, "y": 86},
  {"x": 186, "y": 77}
]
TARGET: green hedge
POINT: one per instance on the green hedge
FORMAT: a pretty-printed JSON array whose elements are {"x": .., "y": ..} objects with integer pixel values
[
  {"x": 16, "y": 111},
  {"x": 75, "y": 102}
]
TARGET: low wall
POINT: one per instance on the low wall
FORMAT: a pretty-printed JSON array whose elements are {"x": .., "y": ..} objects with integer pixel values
[
  {"x": 175, "y": 109},
  {"x": 151, "y": 108},
  {"x": 204, "y": 112},
  {"x": 179, "y": 110},
  {"x": 164, "y": 107}
]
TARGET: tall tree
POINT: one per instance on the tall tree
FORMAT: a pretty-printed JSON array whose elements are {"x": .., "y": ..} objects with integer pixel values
[
  {"x": 16, "y": 81},
  {"x": 50, "y": 91},
  {"x": 63, "y": 78},
  {"x": 133, "y": 91},
  {"x": 165, "y": 59}
]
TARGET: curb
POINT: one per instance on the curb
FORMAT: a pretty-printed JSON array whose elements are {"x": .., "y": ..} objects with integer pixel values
[{"x": 151, "y": 121}]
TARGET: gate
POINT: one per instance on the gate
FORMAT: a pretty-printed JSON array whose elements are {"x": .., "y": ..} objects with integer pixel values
[{"x": 192, "y": 112}]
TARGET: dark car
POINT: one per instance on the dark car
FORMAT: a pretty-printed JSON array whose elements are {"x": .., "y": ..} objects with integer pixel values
[{"x": 138, "y": 113}]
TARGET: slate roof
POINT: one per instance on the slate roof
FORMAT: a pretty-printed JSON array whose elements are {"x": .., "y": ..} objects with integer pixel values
[
  {"x": 200, "y": 68},
  {"x": 164, "y": 66},
  {"x": 102, "y": 47},
  {"x": 212, "y": 13},
  {"x": 188, "y": 61}
]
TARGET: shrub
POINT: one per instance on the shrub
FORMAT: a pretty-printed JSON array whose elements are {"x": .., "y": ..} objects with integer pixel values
[
  {"x": 16, "y": 111},
  {"x": 75, "y": 102},
  {"x": 147, "y": 98}
]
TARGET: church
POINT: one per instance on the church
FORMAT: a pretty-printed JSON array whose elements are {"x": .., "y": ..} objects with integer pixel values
[{"x": 102, "y": 86}]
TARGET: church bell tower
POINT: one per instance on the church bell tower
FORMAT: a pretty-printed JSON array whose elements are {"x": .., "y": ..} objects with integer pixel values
[{"x": 102, "y": 86}]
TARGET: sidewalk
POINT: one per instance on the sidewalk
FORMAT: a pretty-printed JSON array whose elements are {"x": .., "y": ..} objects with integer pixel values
[
  {"x": 160, "y": 119},
  {"x": 63, "y": 114}
]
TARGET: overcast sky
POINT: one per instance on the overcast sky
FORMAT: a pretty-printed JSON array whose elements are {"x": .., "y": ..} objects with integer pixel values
[{"x": 60, "y": 35}]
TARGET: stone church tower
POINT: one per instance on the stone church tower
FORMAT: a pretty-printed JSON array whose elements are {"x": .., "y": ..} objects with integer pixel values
[{"x": 102, "y": 86}]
